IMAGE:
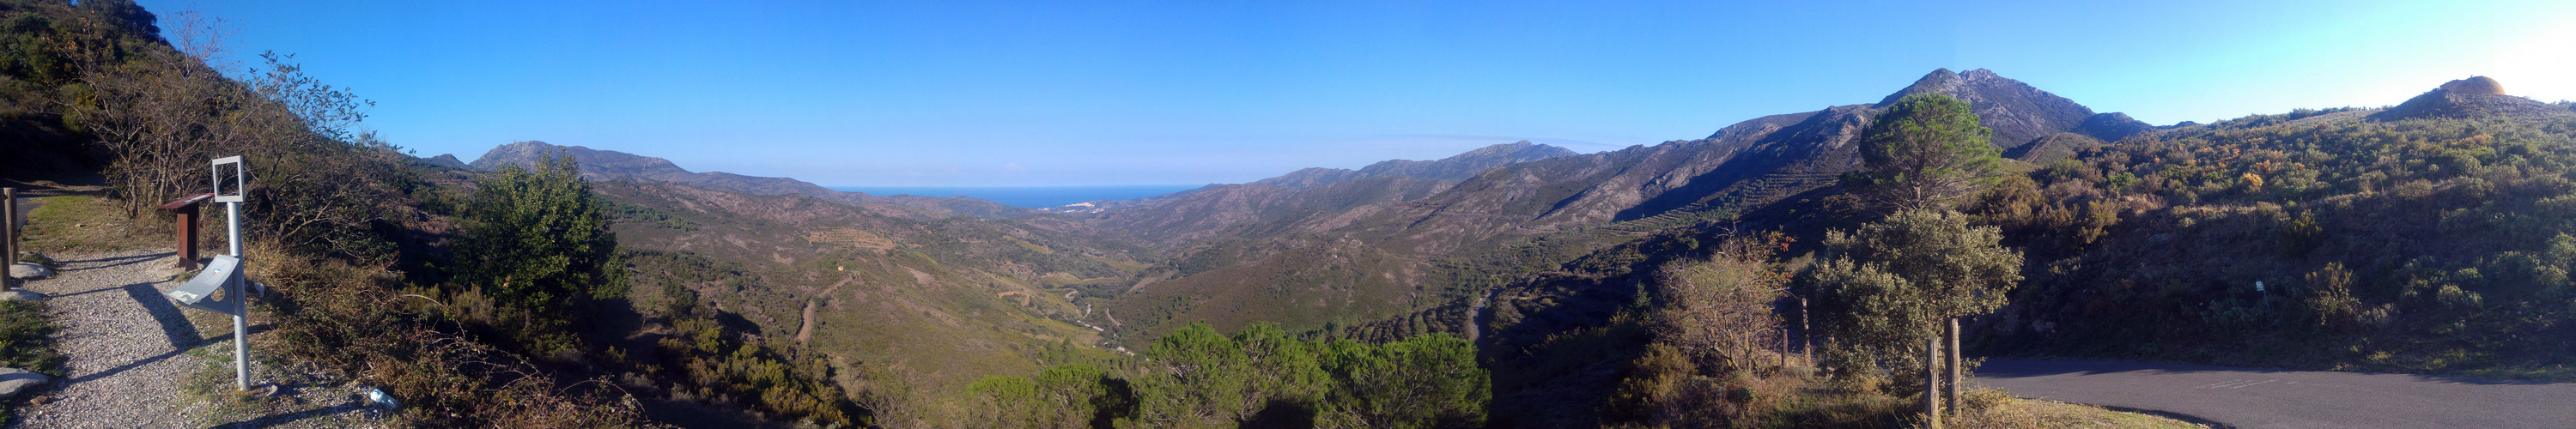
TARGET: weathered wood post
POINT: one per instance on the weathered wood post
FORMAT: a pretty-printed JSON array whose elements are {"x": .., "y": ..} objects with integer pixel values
[
  {"x": 185, "y": 211},
  {"x": 1932, "y": 382},
  {"x": 1806, "y": 342},
  {"x": 9, "y": 235},
  {"x": 1957, "y": 374}
]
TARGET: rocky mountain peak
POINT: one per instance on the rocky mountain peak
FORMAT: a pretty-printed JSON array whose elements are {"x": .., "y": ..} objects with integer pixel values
[
  {"x": 2017, "y": 112},
  {"x": 2474, "y": 85},
  {"x": 597, "y": 165}
]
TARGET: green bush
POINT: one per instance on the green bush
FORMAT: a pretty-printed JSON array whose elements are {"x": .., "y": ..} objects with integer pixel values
[
  {"x": 538, "y": 239},
  {"x": 1890, "y": 286}
]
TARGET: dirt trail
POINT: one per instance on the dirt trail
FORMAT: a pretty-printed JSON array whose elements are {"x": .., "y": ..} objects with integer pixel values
[{"x": 806, "y": 332}]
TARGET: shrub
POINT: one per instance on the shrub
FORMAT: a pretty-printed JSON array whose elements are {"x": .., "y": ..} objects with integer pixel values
[
  {"x": 1890, "y": 286},
  {"x": 1718, "y": 311},
  {"x": 537, "y": 239}
]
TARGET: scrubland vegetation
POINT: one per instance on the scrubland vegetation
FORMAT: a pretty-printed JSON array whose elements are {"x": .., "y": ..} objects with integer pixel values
[
  {"x": 2416, "y": 245},
  {"x": 510, "y": 298}
]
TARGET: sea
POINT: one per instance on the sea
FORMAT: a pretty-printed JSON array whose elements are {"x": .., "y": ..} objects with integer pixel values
[{"x": 1036, "y": 197}]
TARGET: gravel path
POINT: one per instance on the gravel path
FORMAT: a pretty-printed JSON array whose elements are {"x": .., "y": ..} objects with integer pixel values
[
  {"x": 130, "y": 350},
  {"x": 127, "y": 344}
]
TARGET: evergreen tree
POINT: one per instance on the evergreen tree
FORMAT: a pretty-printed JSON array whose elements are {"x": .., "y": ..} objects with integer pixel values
[
  {"x": 537, "y": 238},
  {"x": 1925, "y": 150}
]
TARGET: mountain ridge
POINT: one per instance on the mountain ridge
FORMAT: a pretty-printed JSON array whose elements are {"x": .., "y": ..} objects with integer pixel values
[
  {"x": 1568, "y": 205},
  {"x": 608, "y": 165},
  {"x": 1455, "y": 167}
]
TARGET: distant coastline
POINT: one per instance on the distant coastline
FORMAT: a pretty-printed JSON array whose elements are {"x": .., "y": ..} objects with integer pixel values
[{"x": 1026, "y": 196}]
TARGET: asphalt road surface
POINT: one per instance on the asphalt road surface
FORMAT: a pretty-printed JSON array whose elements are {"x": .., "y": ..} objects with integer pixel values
[{"x": 2266, "y": 398}]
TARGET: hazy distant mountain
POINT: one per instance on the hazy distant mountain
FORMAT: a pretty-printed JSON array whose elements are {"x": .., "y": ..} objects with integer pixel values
[
  {"x": 1457, "y": 167},
  {"x": 609, "y": 165},
  {"x": 1209, "y": 212},
  {"x": 449, "y": 161}
]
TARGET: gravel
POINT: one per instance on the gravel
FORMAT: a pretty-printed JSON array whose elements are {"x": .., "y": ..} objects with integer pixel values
[{"x": 130, "y": 351}]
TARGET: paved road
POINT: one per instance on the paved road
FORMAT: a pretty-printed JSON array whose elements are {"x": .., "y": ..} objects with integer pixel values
[{"x": 2265, "y": 398}]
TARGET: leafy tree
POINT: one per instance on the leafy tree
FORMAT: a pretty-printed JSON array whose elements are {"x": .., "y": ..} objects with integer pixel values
[
  {"x": 1891, "y": 285},
  {"x": 538, "y": 239},
  {"x": 1261, "y": 376},
  {"x": 1925, "y": 150},
  {"x": 1077, "y": 392},
  {"x": 1424, "y": 381},
  {"x": 1204, "y": 379},
  {"x": 1210, "y": 378},
  {"x": 1007, "y": 401},
  {"x": 1719, "y": 310}
]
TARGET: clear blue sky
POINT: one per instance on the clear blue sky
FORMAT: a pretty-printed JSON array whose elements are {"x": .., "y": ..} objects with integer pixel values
[{"x": 965, "y": 93}]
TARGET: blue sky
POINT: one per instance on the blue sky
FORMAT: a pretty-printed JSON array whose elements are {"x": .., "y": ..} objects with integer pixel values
[{"x": 966, "y": 93}]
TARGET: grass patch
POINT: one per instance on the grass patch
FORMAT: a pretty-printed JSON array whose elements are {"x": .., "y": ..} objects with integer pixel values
[
  {"x": 212, "y": 383},
  {"x": 1990, "y": 408},
  {"x": 87, "y": 223},
  {"x": 26, "y": 342}
]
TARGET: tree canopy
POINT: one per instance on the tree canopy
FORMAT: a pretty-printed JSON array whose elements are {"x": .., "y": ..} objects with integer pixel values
[
  {"x": 1925, "y": 150},
  {"x": 537, "y": 238},
  {"x": 1890, "y": 285}
]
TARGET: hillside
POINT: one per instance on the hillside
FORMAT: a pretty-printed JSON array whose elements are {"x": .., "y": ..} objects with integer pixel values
[
  {"x": 1433, "y": 254},
  {"x": 608, "y": 165},
  {"x": 2398, "y": 240},
  {"x": 1144, "y": 217},
  {"x": 936, "y": 303},
  {"x": 2477, "y": 97}
]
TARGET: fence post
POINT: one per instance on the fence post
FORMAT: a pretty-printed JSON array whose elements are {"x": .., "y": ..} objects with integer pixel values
[
  {"x": 1957, "y": 374},
  {"x": 1806, "y": 334},
  {"x": 9, "y": 234},
  {"x": 1932, "y": 382}
]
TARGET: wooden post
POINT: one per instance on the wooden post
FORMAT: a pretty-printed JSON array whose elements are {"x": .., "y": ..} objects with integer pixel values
[
  {"x": 1957, "y": 374},
  {"x": 184, "y": 211},
  {"x": 1806, "y": 343},
  {"x": 9, "y": 235},
  {"x": 186, "y": 218},
  {"x": 1932, "y": 382}
]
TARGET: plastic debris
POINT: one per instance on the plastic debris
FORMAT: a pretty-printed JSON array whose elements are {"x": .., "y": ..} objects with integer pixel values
[{"x": 378, "y": 396}]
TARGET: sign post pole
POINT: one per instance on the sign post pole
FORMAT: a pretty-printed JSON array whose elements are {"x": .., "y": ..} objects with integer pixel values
[{"x": 241, "y": 303}]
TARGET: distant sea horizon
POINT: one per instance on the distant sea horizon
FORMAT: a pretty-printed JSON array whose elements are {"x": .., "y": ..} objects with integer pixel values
[{"x": 1036, "y": 197}]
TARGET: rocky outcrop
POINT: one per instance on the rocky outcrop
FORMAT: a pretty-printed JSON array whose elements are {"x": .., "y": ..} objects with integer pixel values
[
  {"x": 2472, "y": 98},
  {"x": 2478, "y": 85}
]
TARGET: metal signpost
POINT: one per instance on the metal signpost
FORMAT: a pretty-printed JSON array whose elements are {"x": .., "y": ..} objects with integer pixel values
[{"x": 224, "y": 273}]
